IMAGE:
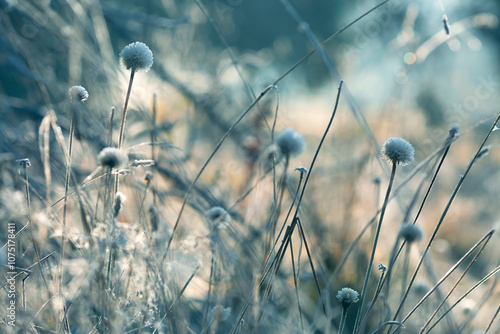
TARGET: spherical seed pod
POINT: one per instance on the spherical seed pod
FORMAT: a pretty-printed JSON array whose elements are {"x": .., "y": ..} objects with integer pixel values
[
  {"x": 112, "y": 157},
  {"x": 290, "y": 142},
  {"x": 411, "y": 233},
  {"x": 218, "y": 217},
  {"x": 78, "y": 93},
  {"x": 137, "y": 57},
  {"x": 398, "y": 151}
]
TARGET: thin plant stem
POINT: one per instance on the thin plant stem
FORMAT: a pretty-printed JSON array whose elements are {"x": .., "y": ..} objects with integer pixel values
[
  {"x": 109, "y": 142},
  {"x": 374, "y": 247},
  {"x": 210, "y": 281},
  {"x": 480, "y": 282},
  {"x": 484, "y": 240},
  {"x": 253, "y": 104},
  {"x": 153, "y": 143},
  {"x": 234, "y": 60},
  {"x": 24, "y": 163},
  {"x": 372, "y": 303},
  {"x": 406, "y": 268},
  {"x": 423, "y": 329},
  {"x": 443, "y": 215},
  {"x": 309, "y": 256},
  {"x": 179, "y": 295},
  {"x": 124, "y": 116},
  {"x": 343, "y": 319},
  {"x": 395, "y": 255},
  {"x": 296, "y": 285},
  {"x": 66, "y": 190},
  {"x": 492, "y": 320},
  {"x": 275, "y": 217},
  {"x": 122, "y": 126}
]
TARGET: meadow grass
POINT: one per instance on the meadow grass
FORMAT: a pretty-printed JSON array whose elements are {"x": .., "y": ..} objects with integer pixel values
[{"x": 206, "y": 222}]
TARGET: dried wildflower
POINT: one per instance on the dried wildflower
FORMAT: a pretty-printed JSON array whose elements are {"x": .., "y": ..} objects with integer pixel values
[
  {"x": 453, "y": 130},
  {"x": 411, "y": 233},
  {"x": 218, "y": 217},
  {"x": 112, "y": 157},
  {"x": 78, "y": 93},
  {"x": 137, "y": 56},
  {"x": 119, "y": 199},
  {"x": 398, "y": 151},
  {"x": 301, "y": 169},
  {"x": 381, "y": 267},
  {"x": 290, "y": 142},
  {"x": 220, "y": 313},
  {"x": 24, "y": 162},
  {"x": 347, "y": 296},
  {"x": 148, "y": 177}
]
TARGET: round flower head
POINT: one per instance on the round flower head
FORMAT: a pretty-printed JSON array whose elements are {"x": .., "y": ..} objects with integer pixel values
[
  {"x": 137, "y": 56},
  {"x": 421, "y": 288},
  {"x": 78, "y": 93},
  {"x": 398, "y": 151},
  {"x": 112, "y": 157},
  {"x": 290, "y": 142},
  {"x": 347, "y": 296},
  {"x": 411, "y": 232},
  {"x": 218, "y": 217}
]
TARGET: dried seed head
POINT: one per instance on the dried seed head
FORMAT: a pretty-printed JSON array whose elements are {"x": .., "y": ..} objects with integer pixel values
[
  {"x": 453, "y": 130},
  {"x": 411, "y": 232},
  {"x": 112, "y": 157},
  {"x": 347, "y": 296},
  {"x": 148, "y": 177},
  {"x": 137, "y": 56},
  {"x": 398, "y": 151},
  {"x": 290, "y": 142},
  {"x": 78, "y": 93},
  {"x": 218, "y": 217}
]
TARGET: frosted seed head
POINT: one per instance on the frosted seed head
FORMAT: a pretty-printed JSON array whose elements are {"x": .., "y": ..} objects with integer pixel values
[
  {"x": 411, "y": 232},
  {"x": 398, "y": 151},
  {"x": 137, "y": 56},
  {"x": 453, "y": 130},
  {"x": 218, "y": 217},
  {"x": 112, "y": 157},
  {"x": 290, "y": 142},
  {"x": 347, "y": 296},
  {"x": 78, "y": 94}
]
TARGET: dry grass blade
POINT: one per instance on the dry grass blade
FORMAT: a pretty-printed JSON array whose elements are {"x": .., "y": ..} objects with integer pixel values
[{"x": 482, "y": 242}]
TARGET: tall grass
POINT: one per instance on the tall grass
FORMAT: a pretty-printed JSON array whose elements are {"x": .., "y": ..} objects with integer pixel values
[{"x": 205, "y": 221}]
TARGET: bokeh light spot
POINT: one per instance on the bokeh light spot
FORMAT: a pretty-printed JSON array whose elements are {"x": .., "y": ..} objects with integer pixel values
[
  {"x": 410, "y": 58},
  {"x": 454, "y": 44}
]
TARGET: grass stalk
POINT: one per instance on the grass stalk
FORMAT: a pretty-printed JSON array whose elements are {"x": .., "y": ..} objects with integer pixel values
[
  {"x": 374, "y": 248},
  {"x": 443, "y": 216}
]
